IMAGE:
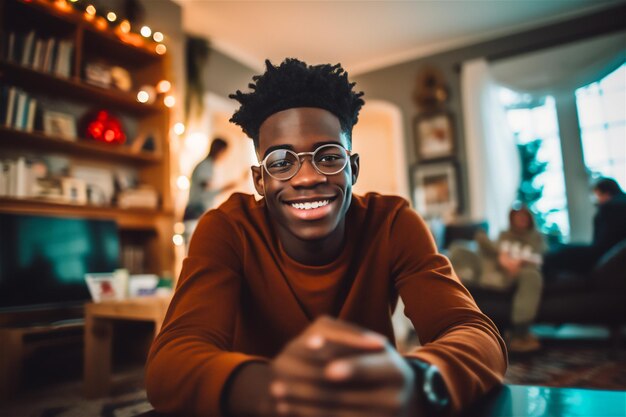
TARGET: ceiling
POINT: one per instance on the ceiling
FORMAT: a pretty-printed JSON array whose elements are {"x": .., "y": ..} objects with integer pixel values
[{"x": 364, "y": 35}]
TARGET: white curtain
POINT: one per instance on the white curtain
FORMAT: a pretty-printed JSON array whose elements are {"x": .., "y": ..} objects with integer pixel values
[{"x": 493, "y": 163}]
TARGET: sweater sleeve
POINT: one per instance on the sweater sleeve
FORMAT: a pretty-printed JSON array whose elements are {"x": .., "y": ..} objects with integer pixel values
[
  {"x": 191, "y": 360},
  {"x": 456, "y": 336}
]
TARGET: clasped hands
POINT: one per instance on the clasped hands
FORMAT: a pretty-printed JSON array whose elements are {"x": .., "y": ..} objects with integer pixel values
[{"x": 337, "y": 369}]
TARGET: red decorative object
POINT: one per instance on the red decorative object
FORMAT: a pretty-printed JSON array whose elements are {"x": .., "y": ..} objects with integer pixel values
[{"x": 106, "y": 128}]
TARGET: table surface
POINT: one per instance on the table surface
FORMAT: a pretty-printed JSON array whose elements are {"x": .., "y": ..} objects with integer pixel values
[{"x": 537, "y": 401}]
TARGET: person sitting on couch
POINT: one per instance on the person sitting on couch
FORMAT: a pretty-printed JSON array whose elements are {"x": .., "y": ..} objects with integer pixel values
[
  {"x": 609, "y": 228},
  {"x": 513, "y": 260}
]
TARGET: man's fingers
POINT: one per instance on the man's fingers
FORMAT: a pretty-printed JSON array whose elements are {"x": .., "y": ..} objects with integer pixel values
[
  {"x": 327, "y": 333},
  {"x": 378, "y": 368},
  {"x": 382, "y": 400}
]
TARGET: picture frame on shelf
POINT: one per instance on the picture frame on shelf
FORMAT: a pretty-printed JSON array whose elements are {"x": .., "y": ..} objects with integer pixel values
[
  {"x": 435, "y": 189},
  {"x": 59, "y": 124},
  {"x": 434, "y": 136}
]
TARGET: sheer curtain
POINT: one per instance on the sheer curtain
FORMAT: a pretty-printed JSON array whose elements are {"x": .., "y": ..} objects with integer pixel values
[{"x": 492, "y": 158}]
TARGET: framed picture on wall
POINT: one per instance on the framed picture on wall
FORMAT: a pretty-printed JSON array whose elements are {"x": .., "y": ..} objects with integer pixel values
[
  {"x": 434, "y": 136},
  {"x": 435, "y": 189}
]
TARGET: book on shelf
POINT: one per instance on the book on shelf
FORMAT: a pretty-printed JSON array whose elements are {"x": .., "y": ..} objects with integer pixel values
[
  {"x": 18, "y": 110},
  {"x": 26, "y": 52}
]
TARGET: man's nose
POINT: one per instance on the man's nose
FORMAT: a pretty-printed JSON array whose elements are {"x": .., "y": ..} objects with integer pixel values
[{"x": 307, "y": 175}]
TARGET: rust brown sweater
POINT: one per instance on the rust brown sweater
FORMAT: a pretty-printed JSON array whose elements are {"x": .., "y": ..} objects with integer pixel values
[{"x": 241, "y": 298}]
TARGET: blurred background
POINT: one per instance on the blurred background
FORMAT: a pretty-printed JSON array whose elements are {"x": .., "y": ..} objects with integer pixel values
[{"x": 472, "y": 107}]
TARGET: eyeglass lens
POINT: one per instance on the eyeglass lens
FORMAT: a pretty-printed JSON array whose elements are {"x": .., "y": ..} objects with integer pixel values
[{"x": 284, "y": 164}]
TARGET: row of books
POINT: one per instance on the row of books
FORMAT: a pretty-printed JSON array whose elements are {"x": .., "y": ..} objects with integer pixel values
[
  {"x": 17, "y": 177},
  {"x": 50, "y": 55},
  {"x": 17, "y": 109}
]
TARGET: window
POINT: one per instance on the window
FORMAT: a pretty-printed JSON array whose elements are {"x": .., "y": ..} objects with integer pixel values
[
  {"x": 532, "y": 118},
  {"x": 602, "y": 119}
]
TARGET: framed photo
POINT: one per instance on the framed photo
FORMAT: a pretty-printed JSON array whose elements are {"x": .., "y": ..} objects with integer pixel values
[
  {"x": 434, "y": 136},
  {"x": 435, "y": 190},
  {"x": 104, "y": 287},
  {"x": 59, "y": 124}
]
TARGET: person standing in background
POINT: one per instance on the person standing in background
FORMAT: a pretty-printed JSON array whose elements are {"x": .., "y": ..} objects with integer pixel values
[{"x": 203, "y": 191}]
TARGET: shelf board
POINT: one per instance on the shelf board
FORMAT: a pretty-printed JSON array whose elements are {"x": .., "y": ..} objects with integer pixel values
[
  {"x": 75, "y": 18},
  {"x": 39, "y": 140},
  {"x": 52, "y": 85},
  {"x": 127, "y": 219}
]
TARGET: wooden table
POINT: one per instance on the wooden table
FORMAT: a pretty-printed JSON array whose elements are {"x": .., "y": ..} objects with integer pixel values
[
  {"x": 535, "y": 401},
  {"x": 17, "y": 343},
  {"x": 99, "y": 318}
]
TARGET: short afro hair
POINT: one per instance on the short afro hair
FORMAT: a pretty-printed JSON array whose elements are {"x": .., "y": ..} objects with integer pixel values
[{"x": 296, "y": 84}]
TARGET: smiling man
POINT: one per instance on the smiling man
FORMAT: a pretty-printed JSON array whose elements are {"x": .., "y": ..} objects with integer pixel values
[{"x": 284, "y": 305}]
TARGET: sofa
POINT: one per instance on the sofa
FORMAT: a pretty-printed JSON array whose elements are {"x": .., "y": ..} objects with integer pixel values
[{"x": 597, "y": 297}]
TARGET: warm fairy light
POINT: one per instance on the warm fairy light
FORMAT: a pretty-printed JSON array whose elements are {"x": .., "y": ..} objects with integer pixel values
[
  {"x": 73, "y": 1},
  {"x": 179, "y": 228},
  {"x": 143, "y": 96},
  {"x": 178, "y": 240},
  {"x": 182, "y": 182},
  {"x": 179, "y": 128},
  {"x": 145, "y": 31},
  {"x": 62, "y": 5},
  {"x": 169, "y": 101},
  {"x": 164, "y": 86},
  {"x": 157, "y": 36},
  {"x": 160, "y": 49},
  {"x": 91, "y": 10},
  {"x": 101, "y": 23},
  {"x": 111, "y": 17},
  {"x": 125, "y": 26}
]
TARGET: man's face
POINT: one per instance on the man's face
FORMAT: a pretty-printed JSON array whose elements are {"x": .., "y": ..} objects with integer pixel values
[{"x": 303, "y": 130}]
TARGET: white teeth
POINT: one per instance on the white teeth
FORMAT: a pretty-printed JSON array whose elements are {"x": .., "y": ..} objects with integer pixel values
[{"x": 309, "y": 206}]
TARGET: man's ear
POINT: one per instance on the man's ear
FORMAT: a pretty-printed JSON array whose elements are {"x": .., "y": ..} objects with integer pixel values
[
  {"x": 257, "y": 179},
  {"x": 354, "y": 165}
]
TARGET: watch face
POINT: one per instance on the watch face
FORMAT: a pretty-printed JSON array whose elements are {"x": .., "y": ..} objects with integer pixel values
[{"x": 435, "y": 388}]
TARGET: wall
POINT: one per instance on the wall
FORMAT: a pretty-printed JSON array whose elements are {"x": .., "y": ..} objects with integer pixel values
[{"x": 395, "y": 84}]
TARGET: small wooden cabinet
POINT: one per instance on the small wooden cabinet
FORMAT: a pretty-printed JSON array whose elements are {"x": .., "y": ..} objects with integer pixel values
[{"x": 150, "y": 230}]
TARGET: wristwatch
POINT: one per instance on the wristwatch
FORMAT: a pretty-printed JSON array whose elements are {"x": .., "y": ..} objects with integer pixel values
[{"x": 433, "y": 391}]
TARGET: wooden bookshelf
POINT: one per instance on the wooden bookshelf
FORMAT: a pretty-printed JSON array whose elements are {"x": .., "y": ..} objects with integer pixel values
[{"x": 153, "y": 229}]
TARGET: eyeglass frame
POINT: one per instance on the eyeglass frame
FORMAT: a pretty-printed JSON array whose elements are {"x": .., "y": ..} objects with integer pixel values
[{"x": 299, "y": 157}]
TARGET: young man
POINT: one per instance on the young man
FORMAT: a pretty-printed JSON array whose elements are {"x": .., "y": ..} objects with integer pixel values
[{"x": 284, "y": 305}]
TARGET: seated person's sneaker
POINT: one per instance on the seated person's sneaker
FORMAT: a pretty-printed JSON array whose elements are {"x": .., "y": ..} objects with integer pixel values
[{"x": 527, "y": 343}]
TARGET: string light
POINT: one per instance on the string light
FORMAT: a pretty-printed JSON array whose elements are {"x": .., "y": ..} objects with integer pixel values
[
  {"x": 101, "y": 23},
  {"x": 178, "y": 240},
  {"x": 164, "y": 86},
  {"x": 182, "y": 182},
  {"x": 111, "y": 17},
  {"x": 160, "y": 49},
  {"x": 62, "y": 5},
  {"x": 179, "y": 128},
  {"x": 143, "y": 96},
  {"x": 179, "y": 228},
  {"x": 157, "y": 36},
  {"x": 169, "y": 101},
  {"x": 125, "y": 26},
  {"x": 91, "y": 11},
  {"x": 146, "y": 31}
]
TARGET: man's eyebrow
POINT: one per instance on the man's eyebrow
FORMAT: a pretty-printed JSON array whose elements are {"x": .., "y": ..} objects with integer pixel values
[{"x": 276, "y": 147}]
